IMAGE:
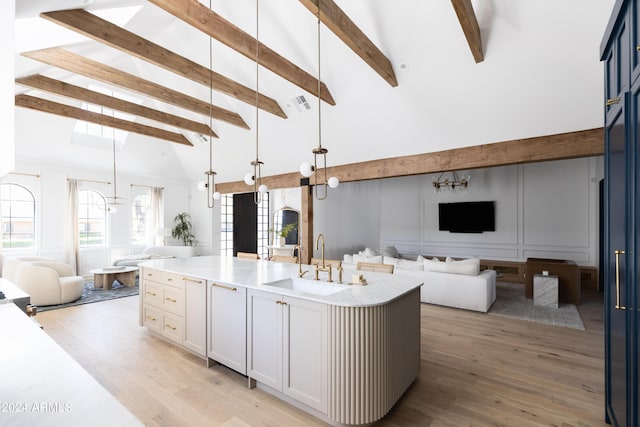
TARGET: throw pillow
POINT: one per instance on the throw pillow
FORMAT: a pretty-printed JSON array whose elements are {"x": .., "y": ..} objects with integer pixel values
[
  {"x": 390, "y": 251},
  {"x": 390, "y": 260},
  {"x": 347, "y": 259},
  {"x": 368, "y": 252}
]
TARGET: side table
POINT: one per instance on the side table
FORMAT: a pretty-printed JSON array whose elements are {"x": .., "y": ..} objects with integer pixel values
[{"x": 545, "y": 290}]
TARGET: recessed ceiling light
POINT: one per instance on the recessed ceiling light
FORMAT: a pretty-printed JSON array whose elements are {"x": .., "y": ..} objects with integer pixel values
[{"x": 404, "y": 66}]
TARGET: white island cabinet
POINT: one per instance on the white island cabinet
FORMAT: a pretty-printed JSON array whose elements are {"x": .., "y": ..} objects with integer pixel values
[
  {"x": 227, "y": 320},
  {"x": 287, "y": 346},
  {"x": 345, "y": 354},
  {"x": 174, "y": 306}
]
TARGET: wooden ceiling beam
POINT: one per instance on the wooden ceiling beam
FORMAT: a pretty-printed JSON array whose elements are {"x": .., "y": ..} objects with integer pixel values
[
  {"x": 204, "y": 19},
  {"x": 39, "y": 104},
  {"x": 342, "y": 26},
  {"x": 58, "y": 87},
  {"x": 83, "y": 66},
  {"x": 586, "y": 143},
  {"x": 105, "y": 32},
  {"x": 470, "y": 27}
]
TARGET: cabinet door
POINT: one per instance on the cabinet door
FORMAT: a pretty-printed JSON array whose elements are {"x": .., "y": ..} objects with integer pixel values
[
  {"x": 617, "y": 69},
  {"x": 228, "y": 326},
  {"x": 264, "y": 338},
  {"x": 305, "y": 352},
  {"x": 195, "y": 315},
  {"x": 616, "y": 216}
]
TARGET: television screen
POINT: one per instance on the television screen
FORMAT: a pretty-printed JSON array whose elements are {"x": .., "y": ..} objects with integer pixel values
[{"x": 467, "y": 217}]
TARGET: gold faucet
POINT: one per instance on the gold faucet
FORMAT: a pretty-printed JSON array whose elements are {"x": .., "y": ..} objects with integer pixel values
[
  {"x": 300, "y": 272},
  {"x": 324, "y": 267}
]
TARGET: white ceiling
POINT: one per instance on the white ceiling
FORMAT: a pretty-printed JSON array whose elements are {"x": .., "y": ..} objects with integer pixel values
[{"x": 541, "y": 75}]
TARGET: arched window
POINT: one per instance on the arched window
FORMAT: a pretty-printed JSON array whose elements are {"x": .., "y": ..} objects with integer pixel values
[
  {"x": 140, "y": 220},
  {"x": 92, "y": 218},
  {"x": 18, "y": 217}
]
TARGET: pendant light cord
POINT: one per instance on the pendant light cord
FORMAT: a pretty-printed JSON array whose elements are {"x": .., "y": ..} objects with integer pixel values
[
  {"x": 210, "y": 101},
  {"x": 257, "y": 73},
  {"x": 319, "y": 86}
]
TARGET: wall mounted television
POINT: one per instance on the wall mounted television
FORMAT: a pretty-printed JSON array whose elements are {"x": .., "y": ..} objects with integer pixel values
[{"x": 467, "y": 217}]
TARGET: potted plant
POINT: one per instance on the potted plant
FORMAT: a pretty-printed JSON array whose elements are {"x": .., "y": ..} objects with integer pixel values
[
  {"x": 284, "y": 232},
  {"x": 182, "y": 229}
]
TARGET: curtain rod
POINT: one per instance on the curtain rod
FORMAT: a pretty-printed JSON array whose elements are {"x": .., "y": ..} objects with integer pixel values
[
  {"x": 90, "y": 180},
  {"x": 24, "y": 174},
  {"x": 147, "y": 186}
]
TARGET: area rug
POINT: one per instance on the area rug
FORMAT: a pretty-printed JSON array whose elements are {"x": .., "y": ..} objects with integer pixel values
[
  {"x": 91, "y": 294},
  {"x": 511, "y": 302}
]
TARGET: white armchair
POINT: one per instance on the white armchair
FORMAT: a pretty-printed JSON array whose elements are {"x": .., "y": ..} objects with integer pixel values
[
  {"x": 48, "y": 282},
  {"x": 10, "y": 264}
]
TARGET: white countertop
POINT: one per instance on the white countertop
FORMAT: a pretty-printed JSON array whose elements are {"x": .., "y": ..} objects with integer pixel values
[
  {"x": 381, "y": 289},
  {"x": 40, "y": 384}
]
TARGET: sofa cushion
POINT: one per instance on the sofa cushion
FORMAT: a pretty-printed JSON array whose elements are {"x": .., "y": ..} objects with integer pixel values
[
  {"x": 377, "y": 259},
  {"x": 405, "y": 264},
  {"x": 469, "y": 266}
]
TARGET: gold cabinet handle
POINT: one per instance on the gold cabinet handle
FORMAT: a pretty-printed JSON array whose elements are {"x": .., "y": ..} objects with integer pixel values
[
  {"x": 169, "y": 279},
  {"x": 153, "y": 294},
  {"x": 149, "y": 274},
  {"x": 170, "y": 327},
  {"x": 612, "y": 101},
  {"x": 170, "y": 299},
  {"x": 229, "y": 288},
  {"x": 281, "y": 302},
  {"x": 151, "y": 318},
  {"x": 638, "y": 47},
  {"x": 618, "y": 306},
  {"x": 192, "y": 280}
]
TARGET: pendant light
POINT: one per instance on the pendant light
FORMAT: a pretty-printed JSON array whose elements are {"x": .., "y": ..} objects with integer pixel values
[
  {"x": 307, "y": 169},
  {"x": 210, "y": 184},
  {"x": 255, "y": 178},
  {"x": 114, "y": 201}
]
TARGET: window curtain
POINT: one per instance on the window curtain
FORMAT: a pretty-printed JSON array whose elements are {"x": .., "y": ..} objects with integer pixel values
[
  {"x": 72, "y": 234},
  {"x": 157, "y": 216}
]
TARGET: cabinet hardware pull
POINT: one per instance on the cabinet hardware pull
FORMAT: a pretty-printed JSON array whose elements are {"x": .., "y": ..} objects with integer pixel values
[
  {"x": 612, "y": 101},
  {"x": 618, "y": 306},
  {"x": 151, "y": 318},
  {"x": 192, "y": 280},
  {"x": 216, "y": 285},
  {"x": 169, "y": 279},
  {"x": 638, "y": 47},
  {"x": 149, "y": 274},
  {"x": 169, "y": 326},
  {"x": 170, "y": 299},
  {"x": 153, "y": 294},
  {"x": 281, "y": 302}
]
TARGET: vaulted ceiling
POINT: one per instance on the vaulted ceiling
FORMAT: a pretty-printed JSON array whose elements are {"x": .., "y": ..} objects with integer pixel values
[{"x": 398, "y": 78}]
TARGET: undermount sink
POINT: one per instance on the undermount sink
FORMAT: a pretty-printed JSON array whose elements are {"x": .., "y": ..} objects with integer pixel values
[{"x": 309, "y": 286}]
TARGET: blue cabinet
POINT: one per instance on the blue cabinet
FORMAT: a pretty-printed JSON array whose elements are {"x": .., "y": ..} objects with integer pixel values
[{"x": 620, "y": 52}]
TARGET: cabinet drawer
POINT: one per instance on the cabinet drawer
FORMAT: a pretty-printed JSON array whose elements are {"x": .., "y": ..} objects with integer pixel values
[
  {"x": 172, "y": 327},
  {"x": 164, "y": 277},
  {"x": 173, "y": 300},
  {"x": 152, "y": 318},
  {"x": 152, "y": 293}
]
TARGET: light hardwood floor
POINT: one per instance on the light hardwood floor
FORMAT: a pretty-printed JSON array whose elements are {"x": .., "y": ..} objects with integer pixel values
[{"x": 476, "y": 370}]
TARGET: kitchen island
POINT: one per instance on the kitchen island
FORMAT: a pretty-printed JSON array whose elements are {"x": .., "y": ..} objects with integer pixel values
[{"x": 344, "y": 353}]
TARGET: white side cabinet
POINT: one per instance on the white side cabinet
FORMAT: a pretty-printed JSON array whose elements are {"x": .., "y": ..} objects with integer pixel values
[
  {"x": 287, "y": 346},
  {"x": 174, "y": 306},
  {"x": 227, "y": 325}
]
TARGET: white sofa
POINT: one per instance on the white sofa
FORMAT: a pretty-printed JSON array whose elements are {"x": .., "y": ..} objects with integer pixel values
[
  {"x": 47, "y": 281},
  {"x": 156, "y": 252},
  {"x": 458, "y": 284}
]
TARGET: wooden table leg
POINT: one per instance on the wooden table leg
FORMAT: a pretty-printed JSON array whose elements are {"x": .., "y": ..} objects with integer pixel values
[
  {"x": 127, "y": 278},
  {"x": 98, "y": 280},
  {"x": 108, "y": 281}
]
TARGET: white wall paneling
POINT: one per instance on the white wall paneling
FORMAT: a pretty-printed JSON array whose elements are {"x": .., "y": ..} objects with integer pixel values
[
  {"x": 545, "y": 209},
  {"x": 7, "y": 87}
]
